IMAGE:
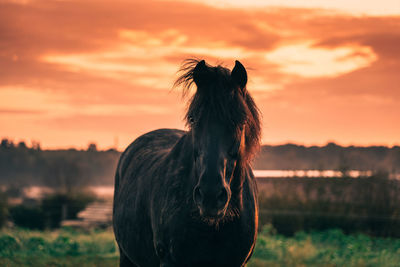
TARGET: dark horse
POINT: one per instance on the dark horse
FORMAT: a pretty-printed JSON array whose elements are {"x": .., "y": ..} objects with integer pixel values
[{"x": 189, "y": 198}]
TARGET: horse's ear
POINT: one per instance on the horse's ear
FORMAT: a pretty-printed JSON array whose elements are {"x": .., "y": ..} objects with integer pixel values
[
  {"x": 239, "y": 75},
  {"x": 200, "y": 73}
]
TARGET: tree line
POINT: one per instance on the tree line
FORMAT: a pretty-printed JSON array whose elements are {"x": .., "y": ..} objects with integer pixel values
[
  {"x": 63, "y": 170},
  {"x": 329, "y": 157},
  {"x": 69, "y": 168}
]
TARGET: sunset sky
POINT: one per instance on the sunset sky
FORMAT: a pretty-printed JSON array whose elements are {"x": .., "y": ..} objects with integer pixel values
[{"x": 74, "y": 72}]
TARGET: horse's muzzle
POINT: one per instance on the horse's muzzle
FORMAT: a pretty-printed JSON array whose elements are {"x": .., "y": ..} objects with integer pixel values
[{"x": 211, "y": 204}]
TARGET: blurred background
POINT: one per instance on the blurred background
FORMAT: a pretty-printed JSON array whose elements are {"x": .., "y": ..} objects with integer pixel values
[{"x": 80, "y": 80}]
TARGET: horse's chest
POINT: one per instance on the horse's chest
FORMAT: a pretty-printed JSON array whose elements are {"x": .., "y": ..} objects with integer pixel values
[{"x": 224, "y": 247}]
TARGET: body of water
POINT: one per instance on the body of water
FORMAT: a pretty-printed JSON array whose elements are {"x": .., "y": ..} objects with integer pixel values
[
  {"x": 308, "y": 173},
  {"x": 108, "y": 191}
]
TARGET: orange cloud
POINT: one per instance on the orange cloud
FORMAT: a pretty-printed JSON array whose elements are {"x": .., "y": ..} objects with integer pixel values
[{"x": 72, "y": 69}]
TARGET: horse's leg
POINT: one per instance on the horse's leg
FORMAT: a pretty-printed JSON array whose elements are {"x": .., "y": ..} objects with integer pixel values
[{"x": 124, "y": 261}]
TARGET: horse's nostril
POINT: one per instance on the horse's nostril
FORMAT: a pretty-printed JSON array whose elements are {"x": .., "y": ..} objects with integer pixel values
[
  {"x": 198, "y": 195},
  {"x": 222, "y": 197}
]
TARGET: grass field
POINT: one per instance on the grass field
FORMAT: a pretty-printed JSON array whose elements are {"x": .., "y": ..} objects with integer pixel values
[{"x": 67, "y": 247}]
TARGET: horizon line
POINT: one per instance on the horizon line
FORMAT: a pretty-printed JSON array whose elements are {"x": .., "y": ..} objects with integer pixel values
[{"x": 38, "y": 144}]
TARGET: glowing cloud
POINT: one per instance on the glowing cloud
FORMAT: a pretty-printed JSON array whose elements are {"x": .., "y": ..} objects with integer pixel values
[
  {"x": 385, "y": 7},
  {"x": 308, "y": 61},
  {"x": 51, "y": 105},
  {"x": 74, "y": 71},
  {"x": 129, "y": 61}
]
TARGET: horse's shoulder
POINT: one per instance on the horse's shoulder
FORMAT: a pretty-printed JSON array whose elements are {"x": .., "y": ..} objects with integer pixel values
[
  {"x": 165, "y": 133},
  {"x": 157, "y": 138},
  {"x": 150, "y": 143}
]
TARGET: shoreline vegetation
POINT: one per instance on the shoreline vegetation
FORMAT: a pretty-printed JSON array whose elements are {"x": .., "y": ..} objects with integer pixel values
[
  {"x": 69, "y": 247},
  {"x": 21, "y": 165},
  {"x": 368, "y": 205}
]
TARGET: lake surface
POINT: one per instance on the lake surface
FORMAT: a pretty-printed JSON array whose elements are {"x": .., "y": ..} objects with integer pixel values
[
  {"x": 108, "y": 191},
  {"x": 308, "y": 173}
]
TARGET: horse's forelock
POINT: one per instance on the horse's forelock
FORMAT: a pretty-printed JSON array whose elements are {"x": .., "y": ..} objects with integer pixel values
[{"x": 219, "y": 98}]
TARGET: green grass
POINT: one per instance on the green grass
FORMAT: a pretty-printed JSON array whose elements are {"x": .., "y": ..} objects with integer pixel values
[
  {"x": 64, "y": 247},
  {"x": 67, "y": 247},
  {"x": 325, "y": 248}
]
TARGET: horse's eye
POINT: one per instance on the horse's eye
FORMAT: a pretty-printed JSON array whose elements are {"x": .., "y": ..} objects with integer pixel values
[
  {"x": 233, "y": 155},
  {"x": 195, "y": 153},
  {"x": 234, "y": 151}
]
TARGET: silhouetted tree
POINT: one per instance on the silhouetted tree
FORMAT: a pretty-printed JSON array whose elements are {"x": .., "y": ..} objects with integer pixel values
[
  {"x": 22, "y": 145},
  {"x": 6, "y": 143},
  {"x": 64, "y": 175},
  {"x": 36, "y": 145},
  {"x": 344, "y": 166},
  {"x": 92, "y": 147}
]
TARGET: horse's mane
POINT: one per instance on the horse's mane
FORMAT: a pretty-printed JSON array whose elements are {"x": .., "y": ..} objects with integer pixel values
[{"x": 220, "y": 99}]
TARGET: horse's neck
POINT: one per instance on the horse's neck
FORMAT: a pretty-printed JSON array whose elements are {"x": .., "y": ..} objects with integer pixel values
[{"x": 182, "y": 151}]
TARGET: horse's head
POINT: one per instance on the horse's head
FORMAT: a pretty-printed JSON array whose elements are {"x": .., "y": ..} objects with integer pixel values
[{"x": 224, "y": 126}]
